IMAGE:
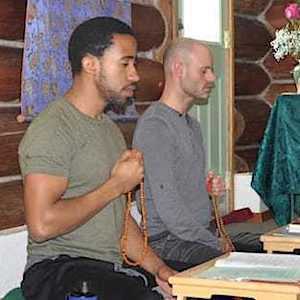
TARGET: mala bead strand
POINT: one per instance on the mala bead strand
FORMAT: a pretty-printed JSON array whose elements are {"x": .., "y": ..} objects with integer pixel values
[
  {"x": 227, "y": 244},
  {"x": 124, "y": 238}
]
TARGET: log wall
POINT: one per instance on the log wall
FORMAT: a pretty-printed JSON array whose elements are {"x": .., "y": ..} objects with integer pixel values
[
  {"x": 155, "y": 14},
  {"x": 259, "y": 78},
  {"x": 12, "y": 24}
]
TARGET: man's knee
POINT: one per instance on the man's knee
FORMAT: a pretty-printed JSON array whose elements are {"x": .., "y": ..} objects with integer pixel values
[{"x": 199, "y": 254}]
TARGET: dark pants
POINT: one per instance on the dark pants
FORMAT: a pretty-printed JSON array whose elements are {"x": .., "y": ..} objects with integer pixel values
[
  {"x": 247, "y": 242},
  {"x": 181, "y": 255},
  {"x": 170, "y": 247},
  {"x": 54, "y": 279}
]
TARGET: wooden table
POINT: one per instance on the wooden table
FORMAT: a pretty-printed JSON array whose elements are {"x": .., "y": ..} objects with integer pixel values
[
  {"x": 188, "y": 284},
  {"x": 274, "y": 241}
]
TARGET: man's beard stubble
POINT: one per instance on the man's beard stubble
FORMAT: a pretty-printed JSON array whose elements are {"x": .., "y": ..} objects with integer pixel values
[
  {"x": 113, "y": 102},
  {"x": 118, "y": 106}
]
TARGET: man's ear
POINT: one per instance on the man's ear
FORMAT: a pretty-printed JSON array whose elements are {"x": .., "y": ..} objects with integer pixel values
[
  {"x": 177, "y": 68},
  {"x": 90, "y": 64}
]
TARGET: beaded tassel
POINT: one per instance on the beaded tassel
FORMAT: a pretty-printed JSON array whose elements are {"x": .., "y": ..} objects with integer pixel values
[
  {"x": 227, "y": 245},
  {"x": 124, "y": 238}
]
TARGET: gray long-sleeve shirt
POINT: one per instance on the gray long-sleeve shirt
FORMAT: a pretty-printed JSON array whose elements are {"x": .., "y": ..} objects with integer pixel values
[{"x": 177, "y": 200}]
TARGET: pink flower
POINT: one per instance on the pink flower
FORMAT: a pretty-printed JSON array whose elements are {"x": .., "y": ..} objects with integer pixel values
[{"x": 292, "y": 11}]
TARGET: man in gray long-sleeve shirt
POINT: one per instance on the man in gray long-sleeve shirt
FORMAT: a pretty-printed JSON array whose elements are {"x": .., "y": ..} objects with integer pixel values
[{"x": 179, "y": 209}]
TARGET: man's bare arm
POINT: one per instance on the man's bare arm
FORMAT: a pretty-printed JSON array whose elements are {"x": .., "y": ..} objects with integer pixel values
[
  {"x": 48, "y": 215},
  {"x": 151, "y": 262}
]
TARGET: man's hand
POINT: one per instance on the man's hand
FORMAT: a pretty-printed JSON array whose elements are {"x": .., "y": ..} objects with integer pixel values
[
  {"x": 215, "y": 185},
  {"x": 129, "y": 170},
  {"x": 162, "y": 276}
]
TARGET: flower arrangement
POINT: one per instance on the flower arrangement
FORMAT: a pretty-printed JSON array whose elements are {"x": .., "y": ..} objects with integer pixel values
[{"x": 287, "y": 40}]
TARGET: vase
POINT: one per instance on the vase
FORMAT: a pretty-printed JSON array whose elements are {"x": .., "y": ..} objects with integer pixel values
[{"x": 296, "y": 75}]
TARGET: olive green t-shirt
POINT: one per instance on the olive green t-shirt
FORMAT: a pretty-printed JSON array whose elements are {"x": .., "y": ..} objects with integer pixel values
[{"x": 64, "y": 142}]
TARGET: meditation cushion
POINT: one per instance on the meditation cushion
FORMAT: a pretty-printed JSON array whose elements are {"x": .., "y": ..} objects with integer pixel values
[{"x": 15, "y": 294}]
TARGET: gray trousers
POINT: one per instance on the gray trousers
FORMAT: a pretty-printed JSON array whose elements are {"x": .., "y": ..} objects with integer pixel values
[{"x": 170, "y": 247}]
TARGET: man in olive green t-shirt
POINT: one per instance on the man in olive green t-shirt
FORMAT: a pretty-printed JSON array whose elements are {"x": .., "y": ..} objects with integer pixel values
[{"x": 76, "y": 170}]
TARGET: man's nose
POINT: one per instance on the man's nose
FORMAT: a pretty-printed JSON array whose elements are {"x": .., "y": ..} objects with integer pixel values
[
  {"x": 133, "y": 75},
  {"x": 212, "y": 76}
]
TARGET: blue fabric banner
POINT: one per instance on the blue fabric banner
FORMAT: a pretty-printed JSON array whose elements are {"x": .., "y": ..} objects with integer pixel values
[{"x": 46, "y": 71}]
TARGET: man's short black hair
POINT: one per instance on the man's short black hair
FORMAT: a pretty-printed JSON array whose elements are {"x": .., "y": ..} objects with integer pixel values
[{"x": 93, "y": 37}]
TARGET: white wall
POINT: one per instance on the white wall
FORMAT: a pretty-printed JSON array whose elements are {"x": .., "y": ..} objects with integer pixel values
[
  {"x": 245, "y": 196},
  {"x": 13, "y": 243}
]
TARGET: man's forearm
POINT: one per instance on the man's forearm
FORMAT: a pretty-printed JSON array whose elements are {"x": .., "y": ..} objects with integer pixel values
[{"x": 135, "y": 243}]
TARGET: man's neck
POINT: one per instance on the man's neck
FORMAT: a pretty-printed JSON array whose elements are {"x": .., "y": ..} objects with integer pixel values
[
  {"x": 175, "y": 100},
  {"x": 86, "y": 99}
]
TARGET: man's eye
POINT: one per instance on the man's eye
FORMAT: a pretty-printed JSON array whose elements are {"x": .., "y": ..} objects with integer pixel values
[{"x": 206, "y": 71}]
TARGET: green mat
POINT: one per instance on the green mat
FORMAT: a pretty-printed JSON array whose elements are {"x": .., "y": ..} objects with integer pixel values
[{"x": 15, "y": 294}]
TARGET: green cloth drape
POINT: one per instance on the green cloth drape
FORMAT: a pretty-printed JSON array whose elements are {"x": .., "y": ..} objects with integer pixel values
[{"x": 277, "y": 173}]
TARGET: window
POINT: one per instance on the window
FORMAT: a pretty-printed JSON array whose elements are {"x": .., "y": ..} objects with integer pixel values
[{"x": 201, "y": 19}]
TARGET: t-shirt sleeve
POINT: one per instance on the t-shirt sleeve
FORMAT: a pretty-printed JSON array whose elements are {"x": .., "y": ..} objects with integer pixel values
[{"x": 47, "y": 152}]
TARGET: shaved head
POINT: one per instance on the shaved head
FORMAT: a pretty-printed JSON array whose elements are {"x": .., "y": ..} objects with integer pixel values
[
  {"x": 188, "y": 66},
  {"x": 182, "y": 49}
]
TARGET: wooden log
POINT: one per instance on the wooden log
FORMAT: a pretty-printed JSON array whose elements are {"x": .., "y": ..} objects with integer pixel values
[
  {"x": 8, "y": 122},
  {"x": 240, "y": 165},
  {"x": 280, "y": 70},
  {"x": 151, "y": 83},
  {"x": 10, "y": 73},
  {"x": 11, "y": 204},
  {"x": 252, "y": 39},
  {"x": 148, "y": 25},
  {"x": 9, "y": 154},
  {"x": 245, "y": 81},
  {"x": 275, "y": 89},
  {"x": 275, "y": 14},
  {"x": 250, "y": 7},
  {"x": 255, "y": 113},
  {"x": 12, "y": 19},
  {"x": 239, "y": 124},
  {"x": 249, "y": 155}
]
